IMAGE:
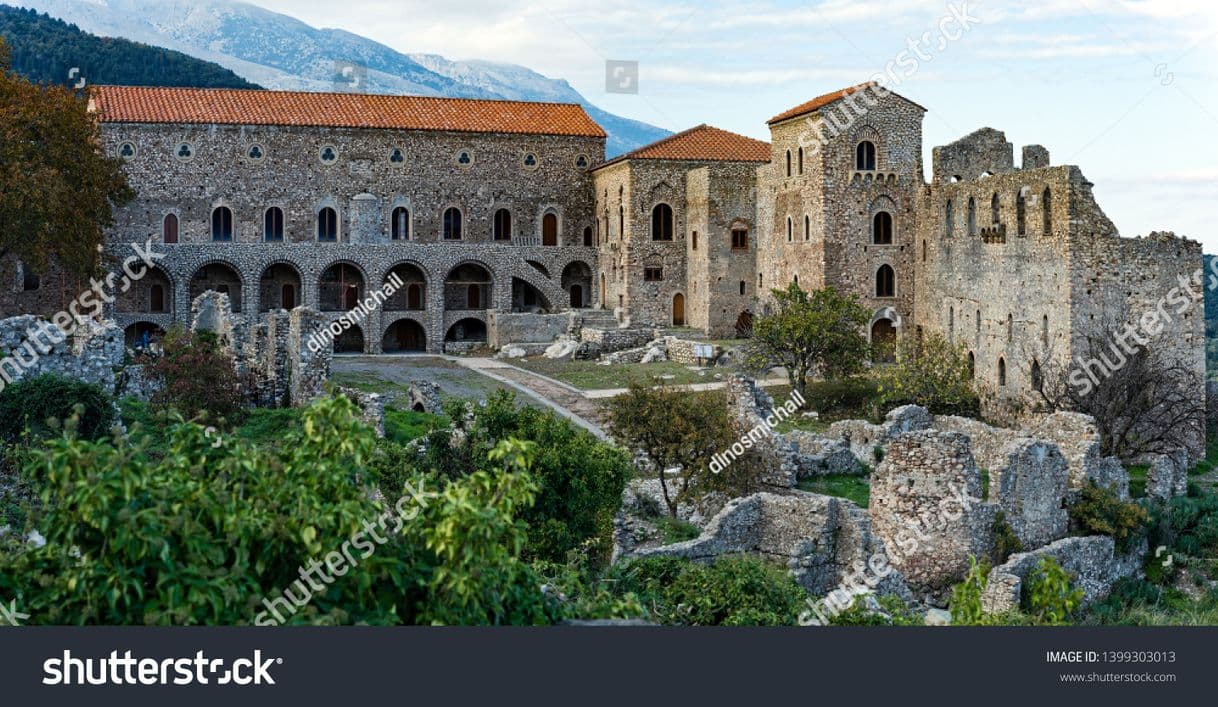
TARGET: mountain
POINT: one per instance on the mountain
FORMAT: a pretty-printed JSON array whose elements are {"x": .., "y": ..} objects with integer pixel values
[
  {"x": 280, "y": 52},
  {"x": 45, "y": 50}
]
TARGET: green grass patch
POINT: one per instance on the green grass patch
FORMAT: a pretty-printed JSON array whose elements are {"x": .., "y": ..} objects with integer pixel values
[
  {"x": 1211, "y": 457},
  {"x": 589, "y": 375},
  {"x": 403, "y": 426},
  {"x": 985, "y": 484},
  {"x": 848, "y": 486},
  {"x": 675, "y": 530},
  {"x": 1137, "y": 480},
  {"x": 268, "y": 427}
]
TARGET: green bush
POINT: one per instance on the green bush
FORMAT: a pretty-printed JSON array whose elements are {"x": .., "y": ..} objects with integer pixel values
[
  {"x": 733, "y": 591},
  {"x": 1006, "y": 542},
  {"x": 207, "y": 531},
  {"x": 1050, "y": 594},
  {"x": 675, "y": 530},
  {"x": 403, "y": 426},
  {"x": 932, "y": 372},
  {"x": 29, "y": 404},
  {"x": 1187, "y": 525},
  {"x": 889, "y": 610},
  {"x": 965, "y": 605},
  {"x": 1099, "y": 511},
  {"x": 195, "y": 376},
  {"x": 855, "y": 397}
]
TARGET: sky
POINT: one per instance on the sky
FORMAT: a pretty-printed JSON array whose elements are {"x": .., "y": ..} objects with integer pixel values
[{"x": 1126, "y": 89}]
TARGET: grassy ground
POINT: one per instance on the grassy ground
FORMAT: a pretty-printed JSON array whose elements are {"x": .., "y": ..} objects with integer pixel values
[
  {"x": 854, "y": 488},
  {"x": 589, "y": 375},
  {"x": 381, "y": 375}
]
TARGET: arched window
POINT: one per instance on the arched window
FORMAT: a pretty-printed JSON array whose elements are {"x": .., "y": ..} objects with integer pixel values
[
  {"x": 1047, "y": 203},
  {"x": 949, "y": 219},
  {"x": 452, "y": 224},
  {"x": 1010, "y": 328},
  {"x": 661, "y": 223},
  {"x": 885, "y": 282},
  {"x": 972, "y": 365},
  {"x": 1002, "y": 371},
  {"x": 327, "y": 225},
  {"x": 994, "y": 209},
  {"x": 790, "y": 229},
  {"x": 742, "y": 286},
  {"x": 169, "y": 229},
  {"x": 621, "y": 222},
  {"x": 977, "y": 321},
  {"x": 503, "y": 225},
  {"x": 881, "y": 228},
  {"x": 801, "y": 160},
  {"x": 272, "y": 228},
  {"x": 924, "y": 250},
  {"x": 400, "y": 229},
  {"x": 588, "y": 236},
  {"x": 1021, "y": 214},
  {"x": 222, "y": 224},
  {"x": 1038, "y": 376},
  {"x": 807, "y": 228},
  {"x": 864, "y": 156},
  {"x": 788, "y": 163},
  {"x": 972, "y": 217},
  {"x": 549, "y": 229}
]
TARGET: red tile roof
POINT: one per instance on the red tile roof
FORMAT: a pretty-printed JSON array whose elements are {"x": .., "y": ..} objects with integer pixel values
[
  {"x": 138, "y": 104},
  {"x": 702, "y": 144},
  {"x": 821, "y": 101}
]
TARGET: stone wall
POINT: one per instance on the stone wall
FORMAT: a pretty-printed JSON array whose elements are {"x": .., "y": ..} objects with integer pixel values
[
  {"x": 1092, "y": 561},
  {"x": 505, "y": 328},
  {"x": 1030, "y": 487},
  {"x": 34, "y": 346}
]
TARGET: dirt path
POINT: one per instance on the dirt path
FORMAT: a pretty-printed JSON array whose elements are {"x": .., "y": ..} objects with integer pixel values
[{"x": 568, "y": 401}]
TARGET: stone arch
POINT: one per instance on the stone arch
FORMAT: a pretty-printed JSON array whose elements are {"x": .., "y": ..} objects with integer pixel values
[
  {"x": 279, "y": 286},
  {"x": 551, "y": 227},
  {"x": 404, "y": 334},
  {"x": 469, "y": 285},
  {"x": 527, "y": 297},
  {"x": 135, "y": 331},
  {"x": 411, "y": 294},
  {"x": 678, "y": 309},
  {"x": 663, "y": 222},
  {"x": 885, "y": 281},
  {"x": 341, "y": 286},
  {"x": 219, "y": 276},
  {"x": 468, "y": 329},
  {"x": 351, "y": 341},
  {"x": 576, "y": 281},
  {"x": 151, "y": 294}
]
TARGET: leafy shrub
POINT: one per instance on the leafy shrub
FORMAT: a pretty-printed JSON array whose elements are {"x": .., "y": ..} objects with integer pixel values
[
  {"x": 29, "y": 404},
  {"x": 855, "y": 397},
  {"x": 932, "y": 372},
  {"x": 403, "y": 426},
  {"x": 965, "y": 605},
  {"x": 733, "y": 591},
  {"x": 136, "y": 541},
  {"x": 1006, "y": 542},
  {"x": 886, "y": 610},
  {"x": 1187, "y": 525},
  {"x": 1050, "y": 594},
  {"x": 195, "y": 376},
  {"x": 675, "y": 530},
  {"x": 1099, "y": 511}
]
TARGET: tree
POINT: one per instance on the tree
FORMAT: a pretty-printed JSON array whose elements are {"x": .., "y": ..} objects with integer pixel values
[
  {"x": 57, "y": 189},
  {"x": 674, "y": 429},
  {"x": 194, "y": 375},
  {"x": 932, "y": 372},
  {"x": 812, "y": 332}
]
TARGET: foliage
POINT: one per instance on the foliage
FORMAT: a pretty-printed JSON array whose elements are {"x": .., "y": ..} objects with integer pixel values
[
  {"x": 403, "y": 426},
  {"x": 965, "y": 605},
  {"x": 44, "y": 49},
  {"x": 675, "y": 530},
  {"x": 1099, "y": 511},
  {"x": 1187, "y": 525},
  {"x": 1050, "y": 594},
  {"x": 18, "y": 492},
  {"x": 849, "y": 398},
  {"x": 57, "y": 191},
  {"x": 676, "y": 430},
  {"x": 133, "y": 541},
  {"x": 818, "y": 332},
  {"x": 733, "y": 591},
  {"x": 886, "y": 610},
  {"x": 582, "y": 594},
  {"x": 1006, "y": 542},
  {"x": 848, "y": 486},
  {"x": 195, "y": 376},
  {"x": 30, "y": 404},
  {"x": 1137, "y": 602},
  {"x": 932, "y": 372}
]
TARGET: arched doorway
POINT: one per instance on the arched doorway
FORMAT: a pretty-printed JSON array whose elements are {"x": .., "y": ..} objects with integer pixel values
[
  {"x": 287, "y": 295},
  {"x": 678, "y": 310},
  {"x": 549, "y": 229},
  {"x": 473, "y": 297},
  {"x": 577, "y": 297},
  {"x": 577, "y": 281},
  {"x": 468, "y": 286},
  {"x": 351, "y": 341},
  {"x": 277, "y": 287},
  {"x": 142, "y": 334},
  {"x": 341, "y": 288},
  {"x": 151, "y": 294},
  {"x": 404, "y": 335},
  {"x": 467, "y": 330},
  {"x": 218, "y": 277},
  {"x": 884, "y": 341},
  {"x": 411, "y": 287}
]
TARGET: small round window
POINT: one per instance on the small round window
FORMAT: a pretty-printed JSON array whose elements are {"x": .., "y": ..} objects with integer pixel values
[
  {"x": 396, "y": 157},
  {"x": 127, "y": 151},
  {"x": 328, "y": 154},
  {"x": 255, "y": 153},
  {"x": 582, "y": 162},
  {"x": 529, "y": 161},
  {"x": 465, "y": 158},
  {"x": 185, "y": 151}
]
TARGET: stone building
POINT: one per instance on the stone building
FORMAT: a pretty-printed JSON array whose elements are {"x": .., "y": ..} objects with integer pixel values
[{"x": 485, "y": 208}]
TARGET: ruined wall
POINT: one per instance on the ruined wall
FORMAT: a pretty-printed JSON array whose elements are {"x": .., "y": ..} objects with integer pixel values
[
  {"x": 33, "y": 346},
  {"x": 505, "y": 328}
]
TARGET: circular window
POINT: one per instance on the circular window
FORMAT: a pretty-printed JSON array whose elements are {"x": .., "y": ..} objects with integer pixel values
[
  {"x": 396, "y": 157},
  {"x": 582, "y": 162},
  {"x": 255, "y": 153},
  {"x": 127, "y": 151},
  {"x": 465, "y": 158},
  {"x": 529, "y": 161},
  {"x": 328, "y": 154},
  {"x": 185, "y": 151}
]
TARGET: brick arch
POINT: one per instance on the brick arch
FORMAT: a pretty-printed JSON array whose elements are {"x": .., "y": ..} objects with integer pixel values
[
  {"x": 329, "y": 304},
  {"x": 401, "y": 299},
  {"x": 298, "y": 294},
  {"x": 243, "y": 279}
]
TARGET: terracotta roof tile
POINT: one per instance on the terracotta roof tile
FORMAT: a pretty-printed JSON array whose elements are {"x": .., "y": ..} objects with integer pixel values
[
  {"x": 702, "y": 144},
  {"x": 139, "y": 104},
  {"x": 818, "y": 103}
]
